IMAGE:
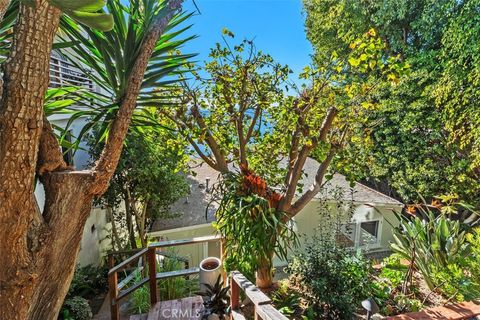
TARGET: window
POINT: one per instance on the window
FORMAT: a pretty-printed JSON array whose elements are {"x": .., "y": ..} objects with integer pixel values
[
  {"x": 368, "y": 233},
  {"x": 360, "y": 234}
]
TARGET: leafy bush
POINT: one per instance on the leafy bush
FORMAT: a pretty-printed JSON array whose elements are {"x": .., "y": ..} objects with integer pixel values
[
  {"x": 285, "y": 299},
  {"x": 331, "y": 279},
  {"x": 473, "y": 260},
  {"x": 170, "y": 289},
  {"x": 177, "y": 287},
  {"x": 393, "y": 270},
  {"x": 140, "y": 299},
  {"x": 88, "y": 281},
  {"x": 76, "y": 308}
]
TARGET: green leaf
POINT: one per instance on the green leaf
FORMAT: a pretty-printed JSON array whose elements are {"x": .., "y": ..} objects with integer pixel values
[
  {"x": 100, "y": 21},
  {"x": 78, "y": 5}
]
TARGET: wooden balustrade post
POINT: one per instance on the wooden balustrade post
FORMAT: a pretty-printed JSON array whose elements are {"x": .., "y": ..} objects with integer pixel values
[
  {"x": 152, "y": 272},
  {"x": 234, "y": 294},
  {"x": 222, "y": 258},
  {"x": 113, "y": 288}
]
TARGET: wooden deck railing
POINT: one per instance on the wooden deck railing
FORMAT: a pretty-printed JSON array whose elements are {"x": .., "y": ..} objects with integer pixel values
[
  {"x": 263, "y": 304},
  {"x": 117, "y": 291}
]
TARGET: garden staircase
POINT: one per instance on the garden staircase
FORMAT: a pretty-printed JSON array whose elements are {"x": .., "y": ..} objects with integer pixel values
[{"x": 181, "y": 309}]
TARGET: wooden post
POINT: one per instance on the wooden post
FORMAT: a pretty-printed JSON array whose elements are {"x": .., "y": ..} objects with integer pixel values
[
  {"x": 222, "y": 258},
  {"x": 113, "y": 288},
  {"x": 235, "y": 294},
  {"x": 152, "y": 271}
]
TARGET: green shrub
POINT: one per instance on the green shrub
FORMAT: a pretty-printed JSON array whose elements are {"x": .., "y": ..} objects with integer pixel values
[
  {"x": 285, "y": 299},
  {"x": 140, "y": 299},
  {"x": 76, "y": 308},
  {"x": 430, "y": 242},
  {"x": 393, "y": 271},
  {"x": 88, "y": 281},
  {"x": 177, "y": 287},
  {"x": 331, "y": 279},
  {"x": 473, "y": 260},
  {"x": 170, "y": 289}
]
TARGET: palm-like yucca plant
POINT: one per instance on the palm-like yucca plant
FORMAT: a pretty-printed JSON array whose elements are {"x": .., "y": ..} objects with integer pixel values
[{"x": 107, "y": 58}]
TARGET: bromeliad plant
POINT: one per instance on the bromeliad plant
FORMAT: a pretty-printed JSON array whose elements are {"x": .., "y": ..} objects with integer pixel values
[
  {"x": 217, "y": 300},
  {"x": 253, "y": 229}
]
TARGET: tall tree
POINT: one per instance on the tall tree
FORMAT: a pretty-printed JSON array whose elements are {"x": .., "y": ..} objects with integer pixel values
[
  {"x": 38, "y": 248},
  {"x": 148, "y": 180},
  {"x": 240, "y": 114},
  {"x": 422, "y": 137}
]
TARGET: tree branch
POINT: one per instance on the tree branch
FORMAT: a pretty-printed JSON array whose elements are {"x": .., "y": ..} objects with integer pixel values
[
  {"x": 296, "y": 172},
  {"x": 105, "y": 167},
  {"x": 222, "y": 164},
  {"x": 49, "y": 154},
  {"x": 314, "y": 189},
  {"x": 256, "y": 115}
]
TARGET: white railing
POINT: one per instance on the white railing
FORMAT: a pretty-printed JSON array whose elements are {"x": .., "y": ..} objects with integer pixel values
[{"x": 64, "y": 73}]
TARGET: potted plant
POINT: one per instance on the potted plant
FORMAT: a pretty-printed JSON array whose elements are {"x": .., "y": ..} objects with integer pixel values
[
  {"x": 210, "y": 270},
  {"x": 216, "y": 301}
]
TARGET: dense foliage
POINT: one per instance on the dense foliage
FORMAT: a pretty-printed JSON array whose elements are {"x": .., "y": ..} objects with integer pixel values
[
  {"x": 331, "y": 279},
  {"x": 424, "y": 135},
  {"x": 146, "y": 182},
  {"x": 437, "y": 247},
  {"x": 251, "y": 226}
]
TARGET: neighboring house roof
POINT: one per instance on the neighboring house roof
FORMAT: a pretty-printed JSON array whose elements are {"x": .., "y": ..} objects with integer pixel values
[{"x": 192, "y": 209}]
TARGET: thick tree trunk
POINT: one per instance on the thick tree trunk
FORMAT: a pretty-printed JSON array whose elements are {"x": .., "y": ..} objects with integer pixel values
[
  {"x": 23, "y": 229},
  {"x": 264, "y": 277},
  {"x": 38, "y": 251}
]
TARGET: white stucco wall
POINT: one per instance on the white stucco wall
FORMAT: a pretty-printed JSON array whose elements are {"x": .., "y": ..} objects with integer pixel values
[{"x": 194, "y": 252}]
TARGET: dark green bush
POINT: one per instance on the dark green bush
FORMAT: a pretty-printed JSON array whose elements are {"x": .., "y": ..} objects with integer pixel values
[
  {"x": 88, "y": 281},
  {"x": 332, "y": 280},
  {"x": 76, "y": 308}
]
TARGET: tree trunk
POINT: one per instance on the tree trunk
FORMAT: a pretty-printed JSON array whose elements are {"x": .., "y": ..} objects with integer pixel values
[
  {"x": 38, "y": 250},
  {"x": 129, "y": 218},
  {"x": 140, "y": 217},
  {"x": 264, "y": 277},
  {"x": 116, "y": 244}
]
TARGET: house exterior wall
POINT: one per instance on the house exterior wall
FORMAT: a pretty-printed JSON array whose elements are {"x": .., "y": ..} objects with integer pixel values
[
  {"x": 194, "y": 252},
  {"x": 305, "y": 224},
  {"x": 95, "y": 242}
]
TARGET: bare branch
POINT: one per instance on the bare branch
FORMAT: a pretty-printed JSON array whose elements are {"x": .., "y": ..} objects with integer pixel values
[
  {"x": 296, "y": 172},
  {"x": 253, "y": 123},
  {"x": 221, "y": 161},
  {"x": 314, "y": 189}
]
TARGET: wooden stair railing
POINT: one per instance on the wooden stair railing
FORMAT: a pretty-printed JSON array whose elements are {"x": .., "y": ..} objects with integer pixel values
[
  {"x": 149, "y": 255},
  {"x": 262, "y": 303}
]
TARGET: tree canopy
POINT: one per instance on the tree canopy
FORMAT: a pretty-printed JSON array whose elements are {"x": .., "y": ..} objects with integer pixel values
[{"x": 423, "y": 137}]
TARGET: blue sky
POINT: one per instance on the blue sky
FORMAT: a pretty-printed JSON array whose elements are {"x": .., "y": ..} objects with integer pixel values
[{"x": 275, "y": 25}]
